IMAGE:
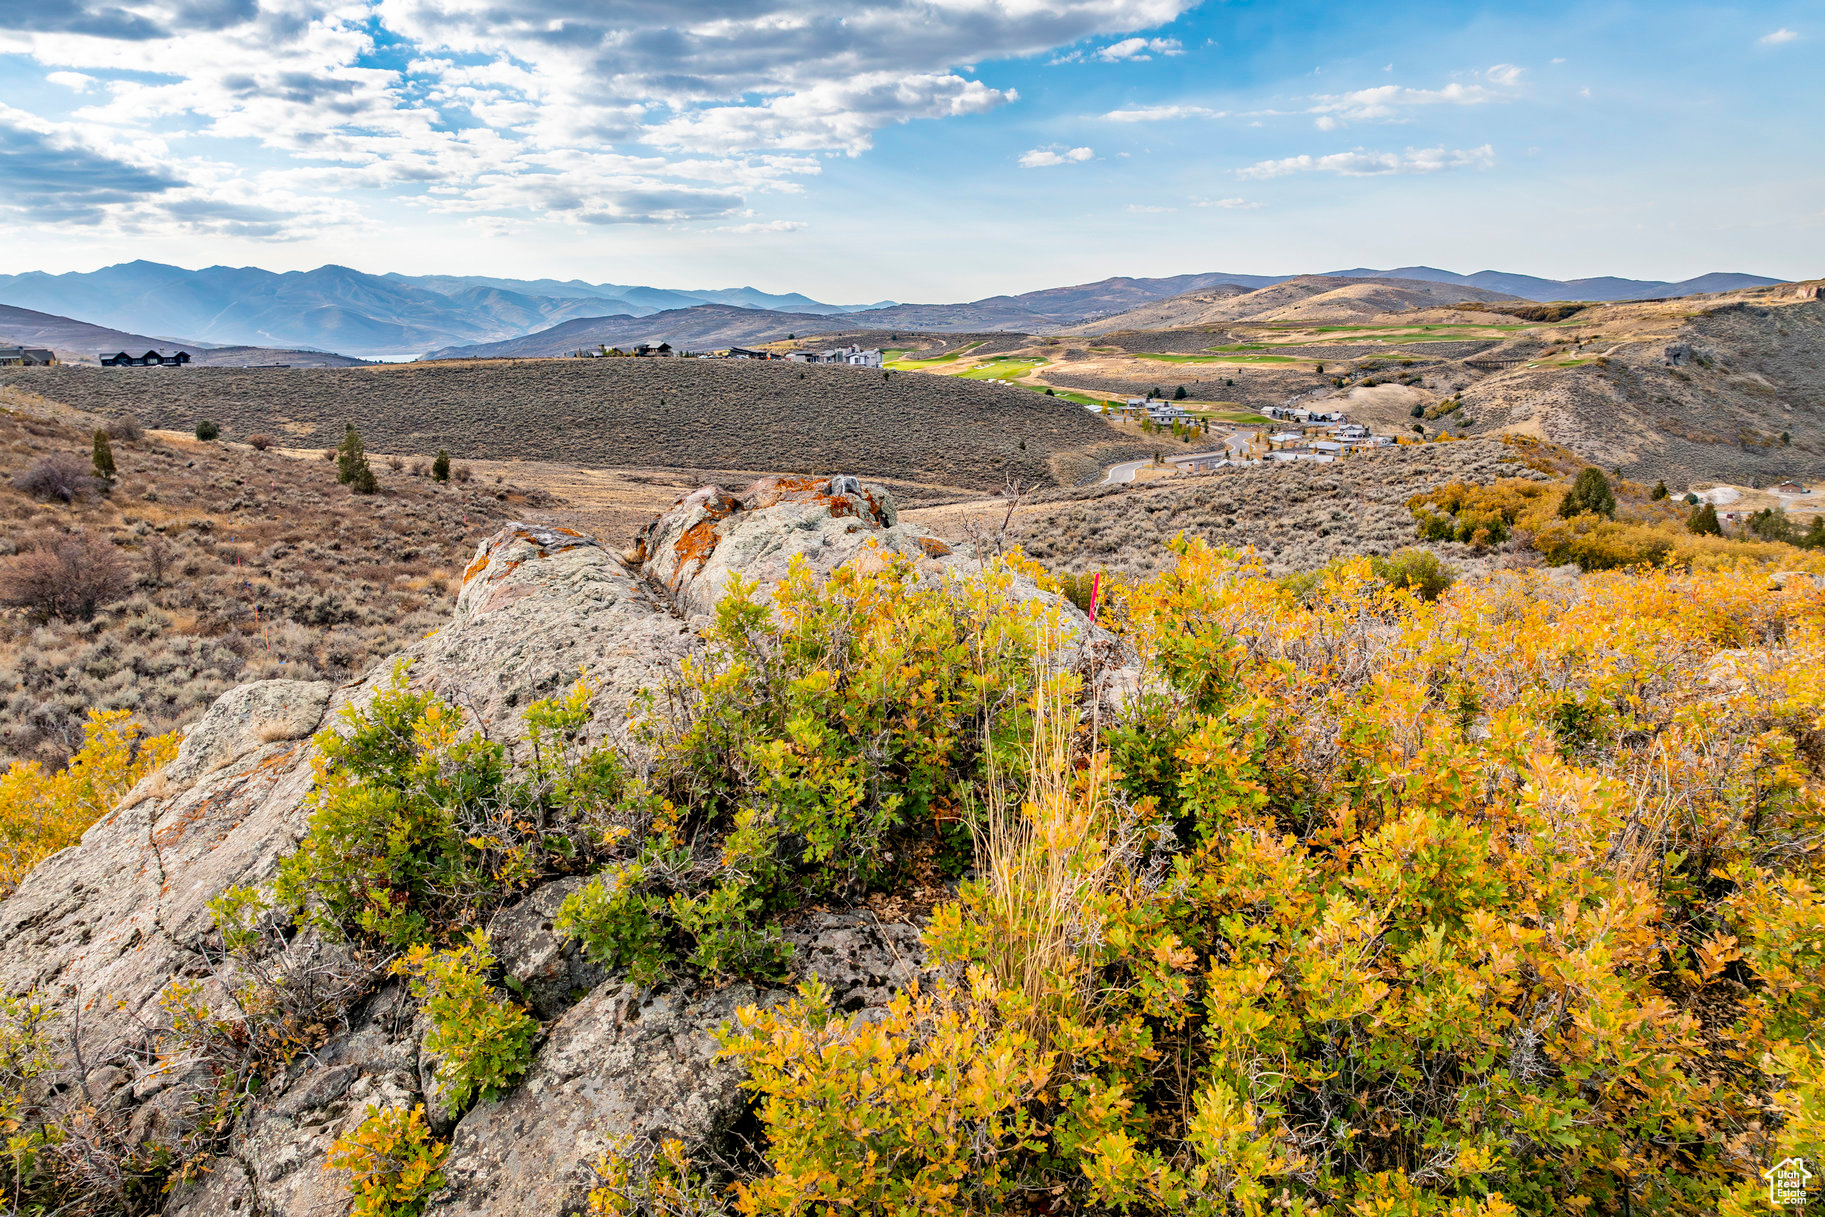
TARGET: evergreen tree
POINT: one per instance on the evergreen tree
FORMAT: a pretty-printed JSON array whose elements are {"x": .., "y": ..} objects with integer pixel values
[
  {"x": 1704, "y": 522},
  {"x": 440, "y": 468},
  {"x": 1660, "y": 491},
  {"x": 1178, "y": 394},
  {"x": 1590, "y": 494},
  {"x": 104, "y": 457},
  {"x": 352, "y": 462},
  {"x": 1814, "y": 537}
]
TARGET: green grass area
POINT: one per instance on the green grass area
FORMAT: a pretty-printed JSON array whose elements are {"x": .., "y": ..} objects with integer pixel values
[
  {"x": 1067, "y": 395},
  {"x": 1001, "y": 367},
  {"x": 919, "y": 365}
]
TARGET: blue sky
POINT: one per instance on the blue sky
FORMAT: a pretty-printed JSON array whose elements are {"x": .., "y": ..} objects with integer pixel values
[{"x": 866, "y": 149}]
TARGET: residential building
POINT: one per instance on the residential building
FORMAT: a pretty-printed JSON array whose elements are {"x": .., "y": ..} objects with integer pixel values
[
  {"x": 29, "y": 357},
  {"x": 1200, "y": 462},
  {"x": 151, "y": 359}
]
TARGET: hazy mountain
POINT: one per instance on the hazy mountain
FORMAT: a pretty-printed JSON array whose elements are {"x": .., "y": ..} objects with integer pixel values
[
  {"x": 702, "y": 327},
  {"x": 81, "y": 342},
  {"x": 1528, "y": 287},
  {"x": 1319, "y": 299}
]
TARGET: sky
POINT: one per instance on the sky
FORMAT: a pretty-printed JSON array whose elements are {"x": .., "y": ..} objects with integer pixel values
[{"x": 914, "y": 150}]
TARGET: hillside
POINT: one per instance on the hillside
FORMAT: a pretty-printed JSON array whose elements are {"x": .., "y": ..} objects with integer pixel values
[
  {"x": 1602, "y": 288},
  {"x": 595, "y": 895},
  {"x": 669, "y": 413},
  {"x": 80, "y": 342},
  {"x": 1310, "y": 298}
]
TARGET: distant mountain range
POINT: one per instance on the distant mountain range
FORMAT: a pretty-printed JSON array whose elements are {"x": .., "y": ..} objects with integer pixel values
[
  {"x": 79, "y": 340},
  {"x": 334, "y": 308}
]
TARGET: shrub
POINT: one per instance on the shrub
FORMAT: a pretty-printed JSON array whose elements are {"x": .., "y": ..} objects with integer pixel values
[
  {"x": 462, "y": 473},
  {"x": 393, "y": 1162},
  {"x": 65, "y": 478},
  {"x": 440, "y": 466},
  {"x": 1704, "y": 522},
  {"x": 1320, "y": 974},
  {"x": 207, "y": 429},
  {"x": 1590, "y": 494},
  {"x": 1815, "y": 533},
  {"x": 1419, "y": 571},
  {"x": 41, "y": 813},
  {"x": 1772, "y": 524},
  {"x": 418, "y": 830},
  {"x": 126, "y": 428},
  {"x": 259, "y": 441},
  {"x": 824, "y": 738},
  {"x": 69, "y": 577},
  {"x": 1660, "y": 491},
  {"x": 103, "y": 457},
  {"x": 483, "y": 1042},
  {"x": 396, "y": 463}
]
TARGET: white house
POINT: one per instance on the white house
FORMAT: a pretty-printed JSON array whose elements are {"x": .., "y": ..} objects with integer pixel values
[{"x": 1200, "y": 462}]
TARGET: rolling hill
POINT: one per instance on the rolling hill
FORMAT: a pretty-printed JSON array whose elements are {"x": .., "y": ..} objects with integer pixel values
[
  {"x": 1310, "y": 298},
  {"x": 81, "y": 342}
]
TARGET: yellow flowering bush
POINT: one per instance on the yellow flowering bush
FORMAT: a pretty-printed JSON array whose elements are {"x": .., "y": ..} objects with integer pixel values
[
  {"x": 1505, "y": 903},
  {"x": 41, "y": 813},
  {"x": 392, "y": 1161}
]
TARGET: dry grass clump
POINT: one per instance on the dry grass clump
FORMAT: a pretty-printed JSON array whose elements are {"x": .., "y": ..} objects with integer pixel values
[
  {"x": 663, "y": 413},
  {"x": 207, "y": 565}
]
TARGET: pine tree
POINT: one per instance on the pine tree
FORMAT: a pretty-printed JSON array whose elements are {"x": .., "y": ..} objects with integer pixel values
[
  {"x": 1814, "y": 537},
  {"x": 352, "y": 462},
  {"x": 440, "y": 468},
  {"x": 104, "y": 457},
  {"x": 1590, "y": 494},
  {"x": 1704, "y": 522},
  {"x": 1660, "y": 491},
  {"x": 1178, "y": 394}
]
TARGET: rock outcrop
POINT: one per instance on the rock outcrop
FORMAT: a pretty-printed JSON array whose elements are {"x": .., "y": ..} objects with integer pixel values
[{"x": 107, "y": 925}]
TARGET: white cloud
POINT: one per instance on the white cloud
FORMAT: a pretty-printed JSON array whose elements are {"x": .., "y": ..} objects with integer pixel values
[
  {"x": 1229, "y": 204},
  {"x": 835, "y": 117},
  {"x": 1149, "y": 114},
  {"x": 1145, "y": 209},
  {"x": 1358, "y": 163},
  {"x": 1504, "y": 75},
  {"x": 764, "y": 226},
  {"x": 1384, "y": 102},
  {"x": 641, "y": 111},
  {"x": 1778, "y": 37},
  {"x": 1139, "y": 49},
  {"x": 1043, "y": 158}
]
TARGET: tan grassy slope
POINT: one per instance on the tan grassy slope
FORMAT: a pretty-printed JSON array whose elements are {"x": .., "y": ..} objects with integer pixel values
[
  {"x": 1317, "y": 298},
  {"x": 670, "y": 413}
]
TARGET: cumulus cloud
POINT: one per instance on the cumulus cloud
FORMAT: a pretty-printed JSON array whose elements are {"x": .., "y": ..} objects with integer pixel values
[
  {"x": 839, "y": 116},
  {"x": 1152, "y": 114},
  {"x": 1043, "y": 158},
  {"x": 49, "y": 175},
  {"x": 642, "y": 111},
  {"x": 1139, "y": 49},
  {"x": 1359, "y": 163},
  {"x": 1778, "y": 37},
  {"x": 1387, "y": 102}
]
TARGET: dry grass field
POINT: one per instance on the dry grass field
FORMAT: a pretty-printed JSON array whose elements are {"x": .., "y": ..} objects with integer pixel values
[
  {"x": 606, "y": 413},
  {"x": 1297, "y": 517},
  {"x": 234, "y": 565}
]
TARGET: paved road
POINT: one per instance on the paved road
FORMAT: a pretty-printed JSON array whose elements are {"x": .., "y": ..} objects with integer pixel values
[{"x": 1124, "y": 472}]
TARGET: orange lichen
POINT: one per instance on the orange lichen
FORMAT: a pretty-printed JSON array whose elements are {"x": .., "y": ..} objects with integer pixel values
[
  {"x": 476, "y": 567},
  {"x": 933, "y": 547}
]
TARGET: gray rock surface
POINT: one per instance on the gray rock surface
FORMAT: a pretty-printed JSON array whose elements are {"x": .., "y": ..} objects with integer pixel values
[{"x": 112, "y": 921}]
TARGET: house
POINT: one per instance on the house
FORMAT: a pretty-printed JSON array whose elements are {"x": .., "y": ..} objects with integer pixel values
[
  {"x": 1286, "y": 437},
  {"x": 852, "y": 355},
  {"x": 1303, "y": 455},
  {"x": 1353, "y": 431},
  {"x": 647, "y": 350},
  {"x": 1329, "y": 445},
  {"x": 746, "y": 353},
  {"x": 151, "y": 359},
  {"x": 29, "y": 357},
  {"x": 1200, "y": 462},
  {"x": 1783, "y": 488}
]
